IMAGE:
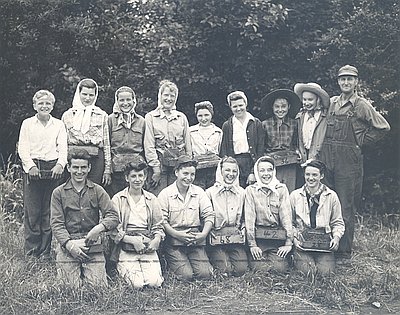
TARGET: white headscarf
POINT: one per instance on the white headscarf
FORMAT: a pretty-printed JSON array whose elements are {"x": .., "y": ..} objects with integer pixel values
[
  {"x": 273, "y": 183},
  {"x": 83, "y": 113},
  {"x": 125, "y": 119},
  {"x": 219, "y": 180},
  {"x": 166, "y": 84}
]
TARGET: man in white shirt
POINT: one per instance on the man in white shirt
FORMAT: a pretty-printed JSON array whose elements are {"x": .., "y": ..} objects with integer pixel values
[{"x": 42, "y": 148}]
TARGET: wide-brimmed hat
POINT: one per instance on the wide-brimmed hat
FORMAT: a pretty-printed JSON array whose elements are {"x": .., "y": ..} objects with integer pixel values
[
  {"x": 269, "y": 99},
  {"x": 315, "y": 88}
]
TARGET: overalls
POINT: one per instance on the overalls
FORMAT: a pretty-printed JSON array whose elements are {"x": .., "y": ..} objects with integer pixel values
[{"x": 343, "y": 158}]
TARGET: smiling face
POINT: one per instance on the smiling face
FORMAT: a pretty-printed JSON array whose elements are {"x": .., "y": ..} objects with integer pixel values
[
  {"x": 280, "y": 108},
  {"x": 168, "y": 97},
  {"x": 229, "y": 172},
  {"x": 43, "y": 106},
  {"x": 126, "y": 101},
  {"x": 238, "y": 108},
  {"x": 79, "y": 169},
  {"x": 310, "y": 101},
  {"x": 87, "y": 95},
  {"x": 185, "y": 176},
  {"x": 265, "y": 172},
  {"x": 312, "y": 177},
  {"x": 347, "y": 84},
  {"x": 136, "y": 179},
  {"x": 204, "y": 117}
]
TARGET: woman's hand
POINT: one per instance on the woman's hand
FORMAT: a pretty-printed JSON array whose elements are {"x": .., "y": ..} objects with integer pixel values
[
  {"x": 334, "y": 245},
  {"x": 284, "y": 250},
  {"x": 256, "y": 252}
]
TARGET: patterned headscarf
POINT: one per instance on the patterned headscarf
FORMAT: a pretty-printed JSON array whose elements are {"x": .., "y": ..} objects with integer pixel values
[
  {"x": 274, "y": 181},
  {"x": 83, "y": 113},
  {"x": 124, "y": 118}
]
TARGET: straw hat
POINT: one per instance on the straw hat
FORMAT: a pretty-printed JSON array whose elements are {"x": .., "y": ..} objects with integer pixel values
[{"x": 315, "y": 88}]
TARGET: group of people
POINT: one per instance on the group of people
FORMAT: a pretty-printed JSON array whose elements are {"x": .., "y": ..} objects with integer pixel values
[{"x": 207, "y": 199}]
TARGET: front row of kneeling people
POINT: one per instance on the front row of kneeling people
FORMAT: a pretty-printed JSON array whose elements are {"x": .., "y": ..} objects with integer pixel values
[{"x": 225, "y": 229}]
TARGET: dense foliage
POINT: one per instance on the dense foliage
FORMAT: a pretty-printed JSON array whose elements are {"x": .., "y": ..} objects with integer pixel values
[{"x": 207, "y": 47}]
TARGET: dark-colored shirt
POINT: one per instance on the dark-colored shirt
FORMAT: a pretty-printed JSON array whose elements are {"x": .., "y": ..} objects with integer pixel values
[
  {"x": 283, "y": 137},
  {"x": 78, "y": 212}
]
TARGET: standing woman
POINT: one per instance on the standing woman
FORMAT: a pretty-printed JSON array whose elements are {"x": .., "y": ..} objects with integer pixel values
[
  {"x": 206, "y": 139},
  {"x": 87, "y": 128},
  {"x": 140, "y": 230},
  {"x": 126, "y": 129},
  {"x": 166, "y": 138}
]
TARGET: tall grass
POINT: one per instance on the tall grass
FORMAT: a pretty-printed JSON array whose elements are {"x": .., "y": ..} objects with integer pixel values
[{"x": 30, "y": 286}]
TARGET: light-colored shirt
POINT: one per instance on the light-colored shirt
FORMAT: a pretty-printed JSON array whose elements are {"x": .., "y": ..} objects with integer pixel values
[
  {"x": 227, "y": 204},
  {"x": 310, "y": 123},
  {"x": 329, "y": 212},
  {"x": 42, "y": 142},
  {"x": 162, "y": 131},
  {"x": 97, "y": 135},
  {"x": 264, "y": 207},
  {"x": 138, "y": 216},
  {"x": 186, "y": 212},
  {"x": 240, "y": 143},
  {"x": 205, "y": 139}
]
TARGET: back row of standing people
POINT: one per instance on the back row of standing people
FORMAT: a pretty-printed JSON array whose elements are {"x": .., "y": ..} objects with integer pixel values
[{"x": 332, "y": 130}]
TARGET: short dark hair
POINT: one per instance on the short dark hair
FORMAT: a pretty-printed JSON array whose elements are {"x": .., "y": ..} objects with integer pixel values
[
  {"x": 78, "y": 154},
  {"x": 186, "y": 163},
  {"x": 88, "y": 83},
  {"x": 137, "y": 164},
  {"x": 317, "y": 164}
]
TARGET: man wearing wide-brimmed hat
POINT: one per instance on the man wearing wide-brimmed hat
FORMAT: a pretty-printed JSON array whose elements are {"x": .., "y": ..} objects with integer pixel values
[
  {"x": 311, "y": 119},
  {"x": 281, "y": 136},
  {"x": 352, "y": 123}
]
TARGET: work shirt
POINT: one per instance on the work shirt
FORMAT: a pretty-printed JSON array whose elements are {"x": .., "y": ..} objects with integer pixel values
[
  {"x": 227, "y": 204},
  {"x": 40, "y": 142},
  {"x": 205, "y": 140},
  {"x": 369, "y": 125},
  {"x": 162, "y": 131},
  {"x": 124, "y": 140},
  {"x": 150, "y": 219},
  {"x": 328, "y": 216},
  {"x": 264, "y": 207},
  {"x": 75, "y": 212},
  {"x": 187, "y": 212},
  {"x": 98, "y": 134},
  {"x": 283, "y": 137}
]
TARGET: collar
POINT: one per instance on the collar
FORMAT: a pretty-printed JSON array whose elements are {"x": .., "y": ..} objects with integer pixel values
[
  {"x": 176, "y": 194},
  {"x": 125, "y": 192},
  {"x": 325, "y": 190},
  {"x": 284, "y": 121},
  {"x": 68, "y": 184},
  {"x": 248, "y": 118},
  {"x": 51, "y": 120},
  {"x": 351, "y": 100},
  {"x": 222, "y": 188},
  {"x": 197, "y": 128},
  {"x": 160, "y": 113}
]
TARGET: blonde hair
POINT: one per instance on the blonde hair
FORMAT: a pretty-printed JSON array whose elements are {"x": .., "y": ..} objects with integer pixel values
[{"x": 42, "y": 93}]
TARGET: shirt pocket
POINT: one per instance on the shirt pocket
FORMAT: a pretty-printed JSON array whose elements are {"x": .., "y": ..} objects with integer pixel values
[
  {"x": 274, "y": 205},
  {"x": 136, "y": 135},
  {"x": 117, "y": 135},
  {"x": 96, "y": 126}
]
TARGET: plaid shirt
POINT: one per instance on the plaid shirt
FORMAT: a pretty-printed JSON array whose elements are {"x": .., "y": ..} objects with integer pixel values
[
  {"x": 98, "y": 134},
  {"x": 267, "y": 208},
  {"x": 282, "y": 137}
]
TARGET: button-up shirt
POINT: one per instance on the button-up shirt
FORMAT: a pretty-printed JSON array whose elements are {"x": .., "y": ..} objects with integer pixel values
[
  {"x": 127, "y": 211},
  {"x": 42, "y": 142},
  {"x": 309, "y": 126},
  {"x": 162, "y": 131},
  {"x": 227, "y": 204},
  {"x": 205, "y": 140},
  {"x": 75, "y": 212},
  {"x": 369, "y": 126},
  {"x": 329, "y": 212},
  {"x": 264, "y": 207},
  {"x": 98, "y": 134},
  {"x": 240, "y": 143},
  {"x": 187, "y": 212},
  {"x": 283, "y": 137}
]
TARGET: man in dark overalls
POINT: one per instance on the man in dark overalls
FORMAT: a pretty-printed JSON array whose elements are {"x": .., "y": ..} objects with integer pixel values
[{"x": 352, "y": 124}]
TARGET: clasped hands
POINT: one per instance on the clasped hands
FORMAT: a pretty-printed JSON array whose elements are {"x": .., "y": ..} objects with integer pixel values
[{"x": 142, "y": 247}]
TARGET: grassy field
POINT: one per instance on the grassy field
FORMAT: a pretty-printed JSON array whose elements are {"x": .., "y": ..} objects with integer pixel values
[{"x": 370, "y": 284}]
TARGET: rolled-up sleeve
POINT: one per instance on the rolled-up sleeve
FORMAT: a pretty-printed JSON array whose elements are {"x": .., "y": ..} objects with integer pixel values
[
  {"x": 250, "y": 217},
  {"x": 57, "y": 218},
  {"x": 150, "y": 143},
  {"x": 285, "y": 214},
  {"x": 206, "y": 210},
  {"x": 336, "y": 220}
]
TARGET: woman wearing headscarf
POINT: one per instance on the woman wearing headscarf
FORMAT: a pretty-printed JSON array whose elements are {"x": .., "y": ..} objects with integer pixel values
[
  {"x": 166, "y": 138},
  {"x": 226, "y": 242},
  {"x": 87, "y": 128},
  {"x": 206, "y": 140},
  {"x": 268, "y": 218},
  {"x": 126, "y": 135}
]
